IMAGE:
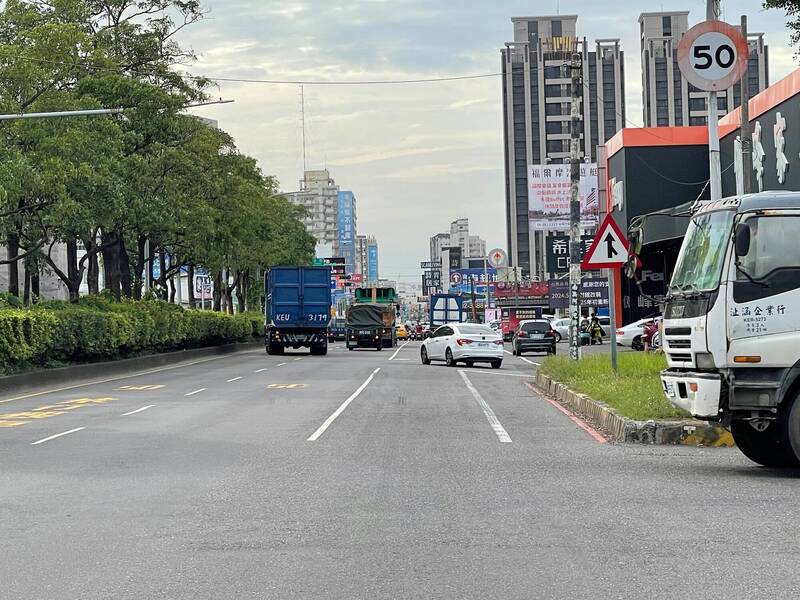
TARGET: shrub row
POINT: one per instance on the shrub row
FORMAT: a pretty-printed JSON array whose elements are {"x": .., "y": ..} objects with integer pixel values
[{"x": 99, "y": 329}]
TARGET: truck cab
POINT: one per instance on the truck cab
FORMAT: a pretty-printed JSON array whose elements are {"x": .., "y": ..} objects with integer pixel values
[{"x": 731, "y": 330}]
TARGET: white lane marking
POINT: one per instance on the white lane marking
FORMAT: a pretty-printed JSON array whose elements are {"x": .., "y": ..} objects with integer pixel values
[
  {"x": 530, "y": 362},
  {"x": 488, "y": 372},
  {"x": 259, "y": 370},
  {"x": 58, "y": 435},
  {"x": 315, "y": 436},
  {"x": 392, "y": 357},
  {"x": 501, "y": 433},
  {"x": 301, "y": 358},
  {"x": 138, "y": 410},
  {"x": 232, "y": 380},
  {"x": 130, "y": 376},
  {"x": 196, "y": 391},
  {"x": 281, "y": 364}
]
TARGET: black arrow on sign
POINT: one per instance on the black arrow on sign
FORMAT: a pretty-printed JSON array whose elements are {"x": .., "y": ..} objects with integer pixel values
[{"x": 610, "y": 248}]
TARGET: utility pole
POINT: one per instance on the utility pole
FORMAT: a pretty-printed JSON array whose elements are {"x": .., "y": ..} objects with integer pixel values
[
  {"x": 715, "y": 171},
  {"x": 486, "y": 278},
  {"x": 575, "y": 210},
  {"x": 746, "y": 134}
]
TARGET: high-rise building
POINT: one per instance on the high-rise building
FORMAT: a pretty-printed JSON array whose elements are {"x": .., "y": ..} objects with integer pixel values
[
  {"x": 472, "y": 246},
  {"x": 367, "y": 258},
  {"x": 667, "y": 98},
  {"x": 331, "y": 214},
  {"x": 536, "y": 112}
]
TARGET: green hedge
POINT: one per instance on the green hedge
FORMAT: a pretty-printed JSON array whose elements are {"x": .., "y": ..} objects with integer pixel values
[{"x": 98, "y": 329}]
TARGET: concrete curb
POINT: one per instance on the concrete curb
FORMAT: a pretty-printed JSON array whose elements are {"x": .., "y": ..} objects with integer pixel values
[
  {"x": 72, "y": 373},
  {"x": 623, "y": 429}
]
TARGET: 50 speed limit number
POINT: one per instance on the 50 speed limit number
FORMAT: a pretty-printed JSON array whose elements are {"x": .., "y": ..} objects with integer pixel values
[{"x": 713, "y": 55}]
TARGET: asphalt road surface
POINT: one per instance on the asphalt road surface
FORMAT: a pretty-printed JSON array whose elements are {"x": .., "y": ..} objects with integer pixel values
[{"x": 367, "y": 475}]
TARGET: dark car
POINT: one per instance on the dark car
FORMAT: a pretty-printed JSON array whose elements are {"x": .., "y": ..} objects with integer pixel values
[
  {"x": 337, "y": 330},
  {"x": 534, "y": 336}
]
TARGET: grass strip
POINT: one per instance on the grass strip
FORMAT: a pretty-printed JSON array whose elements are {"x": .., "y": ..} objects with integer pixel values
[{"x": 635, "y": 391}]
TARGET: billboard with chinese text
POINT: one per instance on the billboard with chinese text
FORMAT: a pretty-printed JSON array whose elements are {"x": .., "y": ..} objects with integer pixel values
[
  {"x": 549, "y": 194},
  {"x": 347, "y": 231}
]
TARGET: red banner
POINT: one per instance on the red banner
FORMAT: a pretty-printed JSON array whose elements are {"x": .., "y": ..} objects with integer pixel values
[{"x": 530, "y": 290}]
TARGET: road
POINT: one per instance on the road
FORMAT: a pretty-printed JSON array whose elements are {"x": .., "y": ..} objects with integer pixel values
[{"x": 250, "y": 476}]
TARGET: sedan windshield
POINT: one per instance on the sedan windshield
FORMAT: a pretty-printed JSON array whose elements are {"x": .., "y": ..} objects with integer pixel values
[{"x": 700, "y": 262}]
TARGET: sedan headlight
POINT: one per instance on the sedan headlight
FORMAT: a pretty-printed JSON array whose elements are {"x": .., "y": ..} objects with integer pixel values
[{"x": 705, "y": 360}]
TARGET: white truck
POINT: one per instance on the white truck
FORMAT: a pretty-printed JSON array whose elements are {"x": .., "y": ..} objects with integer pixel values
[{"x": 731, "y": 329}]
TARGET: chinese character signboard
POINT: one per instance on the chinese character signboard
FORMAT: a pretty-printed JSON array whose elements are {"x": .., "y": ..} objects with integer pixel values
[
  {"x": 346, "y": 222},
  {"x": 549, "y": 194},
  {"x": 594, "y": 292},
  {"x": 533, "y": 290},
  {"x": 460, "y": 280},
  {"x": 372, "y": 263},
  {"x": 558, "y": 252}
]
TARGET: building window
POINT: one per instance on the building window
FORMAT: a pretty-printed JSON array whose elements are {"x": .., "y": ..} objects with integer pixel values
[
  {"x": 556, "y": 29},
  {"x": 666, "y": 26}
]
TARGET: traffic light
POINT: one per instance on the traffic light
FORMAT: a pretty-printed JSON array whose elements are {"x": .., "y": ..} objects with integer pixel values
[{"x": 347, "y": 282}]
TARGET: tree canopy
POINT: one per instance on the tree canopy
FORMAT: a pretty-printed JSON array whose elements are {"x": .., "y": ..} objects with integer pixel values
[{"x": 107, "y": 187}]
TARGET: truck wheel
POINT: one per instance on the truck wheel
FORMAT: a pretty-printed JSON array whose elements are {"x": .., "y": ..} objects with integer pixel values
[
  {"x": 790, "y": 427},
  {"x": 762, "y": 447},
  {"x": 380, "y": 345}
]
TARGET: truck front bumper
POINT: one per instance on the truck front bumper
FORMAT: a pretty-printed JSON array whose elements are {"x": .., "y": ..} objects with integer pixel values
[{"x": 696, "y": 393}]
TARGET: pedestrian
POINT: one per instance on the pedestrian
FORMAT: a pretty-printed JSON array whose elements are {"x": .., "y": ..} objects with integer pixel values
[{"x": 596, "y": 331}]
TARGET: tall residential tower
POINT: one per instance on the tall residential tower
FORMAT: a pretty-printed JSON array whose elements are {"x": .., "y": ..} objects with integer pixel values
[{"x": 536, "y": 113}]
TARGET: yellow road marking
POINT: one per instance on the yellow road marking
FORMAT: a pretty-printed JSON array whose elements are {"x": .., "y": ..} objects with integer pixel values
[
  {"x": 45, "y": 412},
  {"x": 121, "y": 377}
]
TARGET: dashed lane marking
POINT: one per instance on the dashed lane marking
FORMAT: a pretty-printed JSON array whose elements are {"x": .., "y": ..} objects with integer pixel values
[
  {"x": 259, "y": 370},
  {"x": 301, "y": 358},
  {"x": 138, "y": 410},
  {"x": 58, "y": 435},
  {"x": 287, "y": 386},
  {"x": 315, "y": 436},
  {"x": 282, "y": 364},
  {"x": 121, "y": 377},
  {"x": 497, "y": 427},
  {"x": 138, "y": 388},
  {"x": 196, "y": 391},
  {"x": 233, "y": 379}
]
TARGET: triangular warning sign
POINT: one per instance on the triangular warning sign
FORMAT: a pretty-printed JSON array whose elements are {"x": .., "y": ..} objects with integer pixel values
[{"x": 609, "y": 248}]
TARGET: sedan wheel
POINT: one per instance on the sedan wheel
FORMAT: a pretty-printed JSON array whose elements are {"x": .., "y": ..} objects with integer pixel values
[
  {"x": 558, "y": 337},
  {"x": 448, "y": 357},
  {"x": 424, "y": 356}
]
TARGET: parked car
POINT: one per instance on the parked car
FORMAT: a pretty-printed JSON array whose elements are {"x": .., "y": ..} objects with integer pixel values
[
  {"x": 535, "y": 335},
  {"x": 561, "y": 327},
  {"x": 631, "y": 335},
  {"x": 463, "y": 342}
]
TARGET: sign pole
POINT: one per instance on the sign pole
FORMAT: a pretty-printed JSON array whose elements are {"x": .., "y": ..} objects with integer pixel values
[
  {"x": 746, "y": 135},
  {"x": 575, "y": 212},
  {"x": 612, "y": 314}
]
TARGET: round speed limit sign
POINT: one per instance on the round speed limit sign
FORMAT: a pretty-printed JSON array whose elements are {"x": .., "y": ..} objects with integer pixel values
[{"x": 713, "y": 55}]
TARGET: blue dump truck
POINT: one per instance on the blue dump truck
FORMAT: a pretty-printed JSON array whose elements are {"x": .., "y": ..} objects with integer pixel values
[{"x": 297, "y": 308}]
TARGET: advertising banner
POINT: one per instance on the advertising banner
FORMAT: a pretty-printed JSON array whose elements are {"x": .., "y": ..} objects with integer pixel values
[
  {"x": 549, "y": 194},
  {"x": 527, "y": 291},
  {"x": 460, "y": 279},
  {"x": 347, "y": 231},
  {"x": 558, "y": 252},
  {"x": 372, "y": 261},
  {"x": 594, "y": 292}
]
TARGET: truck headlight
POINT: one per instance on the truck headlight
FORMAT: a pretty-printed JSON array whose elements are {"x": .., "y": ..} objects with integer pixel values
[{"x": 704, "y": 360}]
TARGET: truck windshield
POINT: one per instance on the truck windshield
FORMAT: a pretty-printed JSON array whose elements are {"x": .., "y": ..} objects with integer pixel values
[{"x": 703, "y": 251}]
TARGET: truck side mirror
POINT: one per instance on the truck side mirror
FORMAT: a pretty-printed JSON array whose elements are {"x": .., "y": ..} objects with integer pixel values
[
  {"x": 630, "y": 266},
  {"x": 742, "y": 240},
  {"x": 635, "y": 237}
]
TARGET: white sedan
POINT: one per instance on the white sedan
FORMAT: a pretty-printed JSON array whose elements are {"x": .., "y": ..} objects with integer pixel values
[
  {"x": 631, "y": 335},
  {"x": 463, "y": 342}
]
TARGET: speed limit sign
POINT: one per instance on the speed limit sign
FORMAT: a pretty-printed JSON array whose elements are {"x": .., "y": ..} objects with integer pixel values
[{"x": 713, "y": 55}]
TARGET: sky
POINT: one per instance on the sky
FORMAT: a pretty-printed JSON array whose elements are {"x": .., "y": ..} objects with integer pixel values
[{"x": 416, "y": 156}]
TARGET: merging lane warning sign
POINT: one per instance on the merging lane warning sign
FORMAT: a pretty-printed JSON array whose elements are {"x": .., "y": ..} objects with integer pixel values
[{"x": 609, "y": 248}]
